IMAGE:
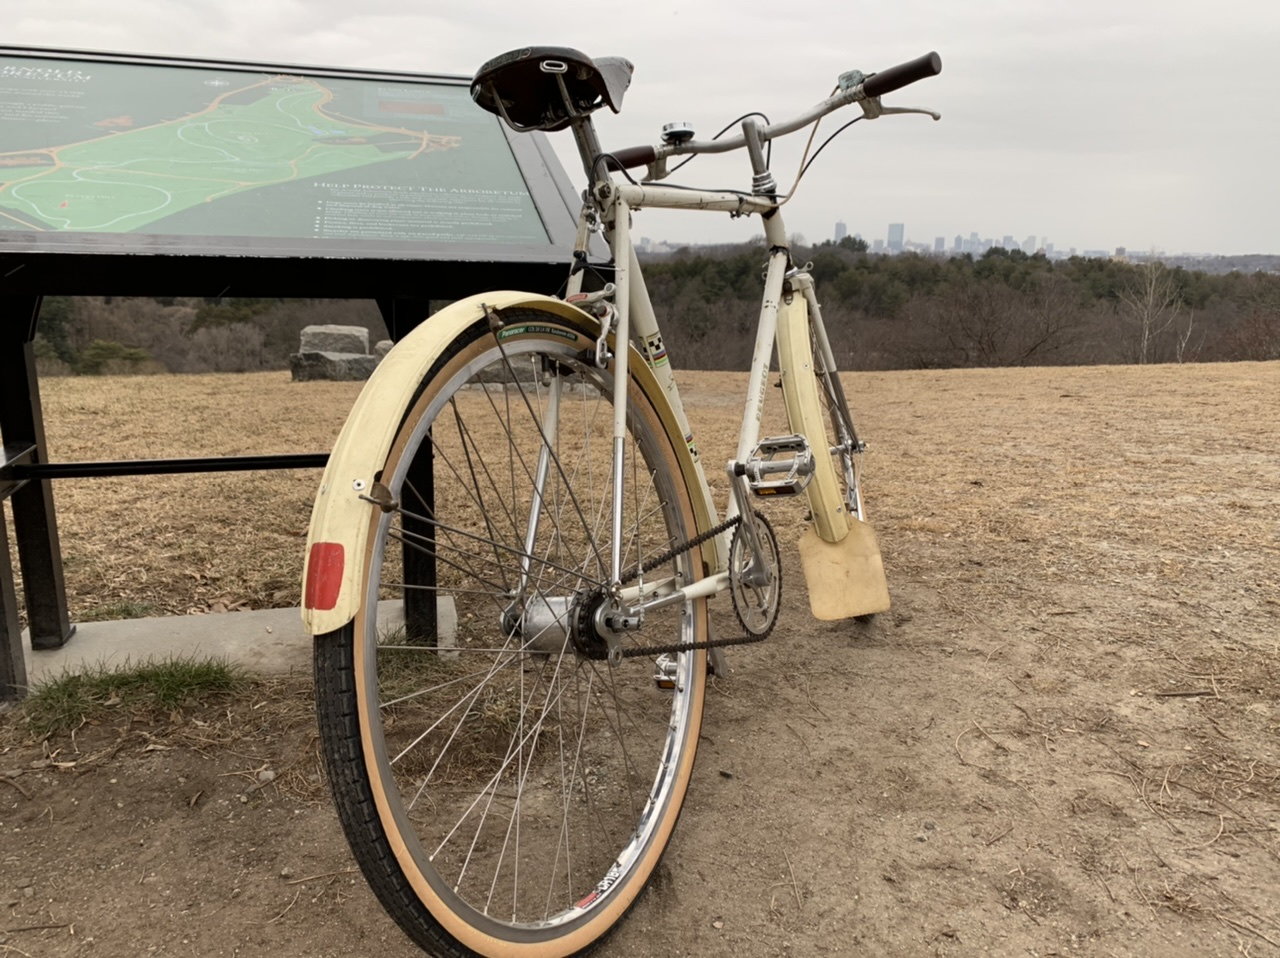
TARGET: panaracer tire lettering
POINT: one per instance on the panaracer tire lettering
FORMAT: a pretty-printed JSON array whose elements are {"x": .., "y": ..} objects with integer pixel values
[
  {"x": 538, "y": 329},
  {"x": 503, "y": 794}
]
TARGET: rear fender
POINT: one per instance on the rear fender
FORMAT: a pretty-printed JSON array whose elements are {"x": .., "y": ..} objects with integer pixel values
[{"x": 340, "y": 520}]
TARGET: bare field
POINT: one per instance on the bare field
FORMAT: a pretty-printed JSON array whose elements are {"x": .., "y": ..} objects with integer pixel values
[{"x": 1064, "y": 739}]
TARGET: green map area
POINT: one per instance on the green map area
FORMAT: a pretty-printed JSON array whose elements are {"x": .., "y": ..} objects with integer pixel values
[
  {"x": 126, "y": 180},
  {"x": 215, "y": 155}
]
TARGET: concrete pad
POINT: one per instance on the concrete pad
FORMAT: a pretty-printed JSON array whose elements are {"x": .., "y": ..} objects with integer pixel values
[{"x": 265, "y": 641}]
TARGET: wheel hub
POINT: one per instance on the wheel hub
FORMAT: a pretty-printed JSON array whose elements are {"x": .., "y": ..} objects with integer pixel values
[
  {"x": 542, "y": 623},
  {"x": 599, "y": 625}
]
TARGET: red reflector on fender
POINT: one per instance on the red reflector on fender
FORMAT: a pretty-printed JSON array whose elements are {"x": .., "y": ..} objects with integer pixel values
[{"x": 324, "y": 576}]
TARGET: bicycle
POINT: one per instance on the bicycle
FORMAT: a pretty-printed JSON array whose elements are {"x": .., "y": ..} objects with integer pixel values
[{"x": 509, "y": 783}]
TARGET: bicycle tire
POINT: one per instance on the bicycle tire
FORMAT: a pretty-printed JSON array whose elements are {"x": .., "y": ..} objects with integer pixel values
[
  {"x": 385, "y": 696},
  {"x": 847, "y": 460}
]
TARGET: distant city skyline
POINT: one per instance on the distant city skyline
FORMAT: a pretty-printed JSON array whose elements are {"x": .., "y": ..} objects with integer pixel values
[
  {"x": 974, "y": 243},
  {"x": 896, "y": 239}
]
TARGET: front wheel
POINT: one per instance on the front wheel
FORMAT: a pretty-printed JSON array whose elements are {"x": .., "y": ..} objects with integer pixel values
[{"x": 506, "y": 786}]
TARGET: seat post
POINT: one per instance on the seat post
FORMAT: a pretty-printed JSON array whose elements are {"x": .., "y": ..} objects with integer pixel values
[{"x": 584, "y": 133}]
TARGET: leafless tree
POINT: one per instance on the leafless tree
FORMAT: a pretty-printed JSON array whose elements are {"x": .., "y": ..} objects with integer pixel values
[
  {"x": 1151, "y": 305},
  {"x": 979, "y": 323}
]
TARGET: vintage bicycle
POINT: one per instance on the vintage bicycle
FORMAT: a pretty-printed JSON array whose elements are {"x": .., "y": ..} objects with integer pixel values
[{"x": 508, "y": 775}]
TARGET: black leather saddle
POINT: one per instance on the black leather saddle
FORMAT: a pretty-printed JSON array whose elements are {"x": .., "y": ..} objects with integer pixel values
[{"x": 544, "y": 88}]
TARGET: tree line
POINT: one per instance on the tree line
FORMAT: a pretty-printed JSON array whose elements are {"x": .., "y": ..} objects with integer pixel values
[
  {"x": 1004, "y": 308},
  {"x": 94, "y": 335}
]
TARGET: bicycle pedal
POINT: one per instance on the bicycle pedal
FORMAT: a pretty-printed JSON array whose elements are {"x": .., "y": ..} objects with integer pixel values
[
  {"x": 665, "y": 671},
  {"x": 779, "y": 466}
]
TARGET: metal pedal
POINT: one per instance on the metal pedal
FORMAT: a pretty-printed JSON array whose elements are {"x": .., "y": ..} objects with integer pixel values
[
  {"x": 665, "y": 671},
  {"x": 779, "y": 466}
]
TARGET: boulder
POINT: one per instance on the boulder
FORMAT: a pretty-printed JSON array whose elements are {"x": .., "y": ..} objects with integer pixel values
[
  {"x": 334, "y": 339},
  {"x": 329, "y": 365}
]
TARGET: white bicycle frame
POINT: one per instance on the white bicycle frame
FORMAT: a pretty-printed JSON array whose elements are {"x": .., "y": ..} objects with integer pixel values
[
  {"x": 633, "y": 314},
  {"x": 634, "y": 317}
]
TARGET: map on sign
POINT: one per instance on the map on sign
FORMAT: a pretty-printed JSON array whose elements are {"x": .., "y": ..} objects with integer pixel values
[{"x": 105, "y": 147}]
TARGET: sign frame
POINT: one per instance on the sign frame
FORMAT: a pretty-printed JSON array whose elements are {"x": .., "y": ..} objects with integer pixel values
[{"x": 139, "y": 263}]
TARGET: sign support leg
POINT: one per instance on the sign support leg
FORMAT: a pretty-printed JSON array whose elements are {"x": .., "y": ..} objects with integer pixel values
[
  {"x": 34, "y": 520},
  {"x": 421, "y": 618},
  {"x": 13, "y": 668}
]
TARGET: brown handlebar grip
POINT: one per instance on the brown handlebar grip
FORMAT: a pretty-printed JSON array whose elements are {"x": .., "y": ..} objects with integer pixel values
[
  {"x": 629, "y": 157},
  {"x": 895, "y": 78}
]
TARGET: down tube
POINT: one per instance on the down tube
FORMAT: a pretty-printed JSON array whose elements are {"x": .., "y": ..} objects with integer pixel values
[{"x": 766, "y": 331}]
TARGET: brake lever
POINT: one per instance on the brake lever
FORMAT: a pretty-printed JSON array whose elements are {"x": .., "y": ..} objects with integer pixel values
[
  {"x": 871, "y": 109},
  {"x": 886, "y": 110}
]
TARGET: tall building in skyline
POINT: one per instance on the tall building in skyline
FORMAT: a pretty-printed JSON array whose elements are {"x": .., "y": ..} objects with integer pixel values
[
  {"x": 841, "y": 230},
  {"x": 896, "y": 234}
]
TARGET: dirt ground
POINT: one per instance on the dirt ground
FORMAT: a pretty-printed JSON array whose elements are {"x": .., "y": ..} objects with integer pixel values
[{"x": 1062, "y": 740}]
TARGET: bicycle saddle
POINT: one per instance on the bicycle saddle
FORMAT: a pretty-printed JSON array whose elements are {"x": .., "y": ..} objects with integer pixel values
[{"x": 524, "y": 86}]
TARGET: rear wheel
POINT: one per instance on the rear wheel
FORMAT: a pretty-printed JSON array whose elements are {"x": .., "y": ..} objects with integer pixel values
[{"x": 507, "y": 787}]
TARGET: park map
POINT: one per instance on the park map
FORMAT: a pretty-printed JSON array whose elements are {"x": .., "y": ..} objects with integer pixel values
[{"x": 263, "y": 155}]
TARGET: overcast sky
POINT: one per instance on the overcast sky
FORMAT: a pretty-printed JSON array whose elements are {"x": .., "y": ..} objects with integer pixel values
[{"x": 1092, "y": 124}]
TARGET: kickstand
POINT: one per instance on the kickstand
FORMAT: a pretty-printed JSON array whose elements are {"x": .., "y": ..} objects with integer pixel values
[{"x": 717, "y": 665}]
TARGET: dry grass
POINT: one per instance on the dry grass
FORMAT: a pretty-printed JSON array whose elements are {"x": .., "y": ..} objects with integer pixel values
[
  {"x": 183, "y": 544},
  {"x": 1016, "y": 461},
  {"x": 1040, "y": 492},
  {"x": 1078, "y": 687}
]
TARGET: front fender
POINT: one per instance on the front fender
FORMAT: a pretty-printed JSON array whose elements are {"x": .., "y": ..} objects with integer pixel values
[{"x": 339, "y": 533}]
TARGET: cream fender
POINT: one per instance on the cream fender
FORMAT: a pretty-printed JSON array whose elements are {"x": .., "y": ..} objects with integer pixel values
[{"x": 340, "y": 522}]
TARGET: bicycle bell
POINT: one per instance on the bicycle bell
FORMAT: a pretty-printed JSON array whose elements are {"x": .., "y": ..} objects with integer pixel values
[{"x": 680, "y": 132}]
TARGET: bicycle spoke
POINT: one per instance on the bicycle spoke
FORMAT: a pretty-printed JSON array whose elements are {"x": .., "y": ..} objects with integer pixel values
[
  {"x": 526, "y": 771},
  {"x": 510, "y": 550}
]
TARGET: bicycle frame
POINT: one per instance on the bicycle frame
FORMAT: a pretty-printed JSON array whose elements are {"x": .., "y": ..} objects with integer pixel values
[{"x": 635, "y": 318}]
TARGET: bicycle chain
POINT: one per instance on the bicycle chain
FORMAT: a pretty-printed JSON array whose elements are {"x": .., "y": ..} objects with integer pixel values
[
  {"x": 675, "y": 648},
  {"x": 683, "y": 547}
]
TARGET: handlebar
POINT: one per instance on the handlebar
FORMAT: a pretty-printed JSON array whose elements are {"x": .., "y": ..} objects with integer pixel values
[
  {"x": 629, "y": 157},
  {"x": 894, "y": 78}
]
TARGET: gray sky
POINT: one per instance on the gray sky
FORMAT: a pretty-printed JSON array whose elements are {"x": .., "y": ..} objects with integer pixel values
[{"x": 1090, "y": 124}]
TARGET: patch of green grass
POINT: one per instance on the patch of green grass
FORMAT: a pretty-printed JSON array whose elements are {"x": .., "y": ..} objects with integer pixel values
[
  {"x": 66, "y": 702},
  {"x": 124, "y": 609}
]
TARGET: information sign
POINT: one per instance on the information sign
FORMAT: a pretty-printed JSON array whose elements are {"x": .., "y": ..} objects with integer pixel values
[{"x": 132, "y": 154}]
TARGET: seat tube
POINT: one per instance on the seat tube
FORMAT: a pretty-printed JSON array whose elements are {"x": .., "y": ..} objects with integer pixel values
[
  {"x": 584, "y": 134},
  {"x": 622, "y": 258},
  {"x": 550, "y": 436},
  {"x": 648, "y": 336}
]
